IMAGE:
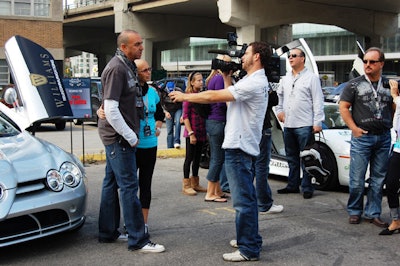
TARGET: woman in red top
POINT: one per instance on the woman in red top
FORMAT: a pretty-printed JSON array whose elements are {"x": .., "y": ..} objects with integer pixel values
[{"x": 195, "y": 135}]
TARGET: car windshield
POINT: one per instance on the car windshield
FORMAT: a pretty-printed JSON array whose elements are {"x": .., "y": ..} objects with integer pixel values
[
  {"x": 333, "y": 119},
  {"x": 6, "y": 128}
]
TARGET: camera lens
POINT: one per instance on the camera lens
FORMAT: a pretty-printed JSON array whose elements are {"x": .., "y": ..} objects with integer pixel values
[{"x": 385, "y": 84}]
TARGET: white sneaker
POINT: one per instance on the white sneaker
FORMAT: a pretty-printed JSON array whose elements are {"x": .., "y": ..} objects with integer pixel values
[
  {"x": 152, "y": 248},
  {"x": 123, "y": 237},
  {"x": 237, "y": 256},
  {"x": 177, "y": 145},
  {"x": 274, "y": 209},
  {"x": 233, "y": 243}
]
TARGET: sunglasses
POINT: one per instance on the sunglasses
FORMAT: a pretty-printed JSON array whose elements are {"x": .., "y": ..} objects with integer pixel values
[
  {"x": 146, "y": 70},
  {"x": 371, "y": 62},
  {"x": 294, "y": 55}
]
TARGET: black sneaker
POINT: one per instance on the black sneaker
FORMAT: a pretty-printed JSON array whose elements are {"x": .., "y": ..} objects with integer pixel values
[
  {"x": 307, "y": 195},
  {"x": 287, "y": 191}
]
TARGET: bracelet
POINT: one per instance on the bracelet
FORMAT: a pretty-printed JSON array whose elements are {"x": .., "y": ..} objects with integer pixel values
[
  {"x": 191, "y": 133},
  {"x": 158, "y": 129}
]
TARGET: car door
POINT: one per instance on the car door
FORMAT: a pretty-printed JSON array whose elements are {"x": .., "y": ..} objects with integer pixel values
[{"x": 40, "y": 94}]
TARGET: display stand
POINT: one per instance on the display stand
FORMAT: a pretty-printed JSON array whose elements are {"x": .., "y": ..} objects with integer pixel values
[{"x": 78, "y": 91}]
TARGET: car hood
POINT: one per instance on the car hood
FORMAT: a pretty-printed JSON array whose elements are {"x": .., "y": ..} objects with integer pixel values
[{"x": 24, "y": 158}]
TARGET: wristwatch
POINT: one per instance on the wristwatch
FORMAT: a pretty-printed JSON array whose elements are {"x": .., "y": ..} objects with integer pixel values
[{"x": 191, "y": 133}]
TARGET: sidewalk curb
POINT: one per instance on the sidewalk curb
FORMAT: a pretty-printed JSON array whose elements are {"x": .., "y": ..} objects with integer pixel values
[{"x": 162, "y": 153}]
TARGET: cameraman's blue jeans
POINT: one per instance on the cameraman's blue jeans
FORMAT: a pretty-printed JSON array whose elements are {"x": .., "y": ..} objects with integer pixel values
[
  {"x": 215, "y": 130},
  {"x": 372, "y": 149},
  {"x": 239, "y": 170},
  {"x": 121, "y": 173},
  {"x": 264, "y": 194},
  {"x": 295, "y": 140},
  {"x": 173, "y": 128}
]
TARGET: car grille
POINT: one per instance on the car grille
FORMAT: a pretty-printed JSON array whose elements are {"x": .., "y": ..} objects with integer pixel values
[
  {"x": 31, "y": 186},
  {"x": 31, "y": 226}
]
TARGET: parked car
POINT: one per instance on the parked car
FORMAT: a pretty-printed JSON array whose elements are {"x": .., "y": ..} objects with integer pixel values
[
  {"x": 334, "y": 149},
  {"x": 327, "y": 90},
  {"x": 179, "y": 82},
  {"x": 96, "y": 96},
  {"x": 42, "y": 187},
  {"x": 334, "y": 96}
]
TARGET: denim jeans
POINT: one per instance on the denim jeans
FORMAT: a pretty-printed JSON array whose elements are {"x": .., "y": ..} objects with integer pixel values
[
  {"x": 223, "y": 180},
  {"x": 239, "y": 170},
  {"x": 215, "y": 130},
  {"x": 372, "y": 149},
  {"x": 174, "y": 128},
  {"x": 264, "y": 194},
  {"x": 295, "y": 140},
  {"x": 121, "y": 173}
]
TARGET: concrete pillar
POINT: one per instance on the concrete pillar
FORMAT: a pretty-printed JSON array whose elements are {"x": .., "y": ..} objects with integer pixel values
[
  {"x": 277, "y": 35},
  {"x": 373, "y": 41},
  {"x": 148, "y": 51},
  {"x": 121, "y": 16},
  {"x": 248, "y": 34},
  {"x": 102, "y": 60}
]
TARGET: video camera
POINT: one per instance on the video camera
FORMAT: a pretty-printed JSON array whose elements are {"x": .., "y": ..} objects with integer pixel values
[
  {"x": 232, "y": 52},
  {"x": 386, "y": 85},
  {"x": 272, "y": 69}
]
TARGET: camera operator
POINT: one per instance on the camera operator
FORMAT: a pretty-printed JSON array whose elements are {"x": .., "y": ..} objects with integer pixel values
[{"x": 245, "y": 115}]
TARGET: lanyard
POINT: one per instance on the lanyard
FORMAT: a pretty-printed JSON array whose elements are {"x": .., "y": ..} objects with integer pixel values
[{"x": 146, "y": 106}]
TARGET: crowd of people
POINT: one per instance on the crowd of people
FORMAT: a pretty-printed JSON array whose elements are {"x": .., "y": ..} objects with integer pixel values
[{"x": 238, "y": 130}]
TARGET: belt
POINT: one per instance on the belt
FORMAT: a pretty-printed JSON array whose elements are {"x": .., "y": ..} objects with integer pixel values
[{"x": 377, "y": 132}]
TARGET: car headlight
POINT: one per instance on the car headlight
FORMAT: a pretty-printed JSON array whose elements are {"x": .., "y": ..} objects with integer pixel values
[
  {"x": 54, "y": 180},
  {"x": 2, "y": 192},
  {"x": 71, "y": 174}
]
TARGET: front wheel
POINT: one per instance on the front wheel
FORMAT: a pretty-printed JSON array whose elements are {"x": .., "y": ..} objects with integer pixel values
[
  {"x": 78, "y": 122},
  {"x": 60, "y": 125},
  {"x": 330, "y": 164}
]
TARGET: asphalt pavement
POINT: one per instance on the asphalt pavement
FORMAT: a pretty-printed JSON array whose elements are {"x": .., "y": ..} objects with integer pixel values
[{"x": 308, "y": 232}]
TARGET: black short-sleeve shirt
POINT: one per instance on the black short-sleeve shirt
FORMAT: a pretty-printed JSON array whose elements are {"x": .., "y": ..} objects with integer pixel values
[{"x": 371, "y": 111}]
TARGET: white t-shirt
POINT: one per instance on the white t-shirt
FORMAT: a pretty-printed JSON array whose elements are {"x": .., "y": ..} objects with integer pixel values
[
  {"x": 396, "y": 125},
  {"x": 245, "y": 115}
]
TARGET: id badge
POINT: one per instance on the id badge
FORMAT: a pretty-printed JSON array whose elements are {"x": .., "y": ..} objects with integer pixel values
[
  {"x": 139, "y": 102},
  {"x": 147, "y": 130}
]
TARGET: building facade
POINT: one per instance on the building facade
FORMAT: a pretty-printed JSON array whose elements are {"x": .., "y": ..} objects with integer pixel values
[{"x": 41, "y": 21}]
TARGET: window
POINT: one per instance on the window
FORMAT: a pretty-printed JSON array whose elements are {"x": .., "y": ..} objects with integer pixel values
[
  {"x": 37, "y": 8},
  {"x": 4, "y": 74},
  {"x": 22, "y": 7},
  {"x": 5, "y": 7}
]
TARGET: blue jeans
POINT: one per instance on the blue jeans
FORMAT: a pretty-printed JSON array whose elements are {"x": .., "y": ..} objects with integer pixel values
[
  {"x": 295, "y": 140},
  {"x": 121, "y": 173},
  {"x": 372, "y": 149},
  {"x": 239, "y": 170},
  {"x": 215, "y": 130},
  {"x": 223, "y": 180},
  {"x": 174, "y": 128},
  {"x": 264, "y": 194}
]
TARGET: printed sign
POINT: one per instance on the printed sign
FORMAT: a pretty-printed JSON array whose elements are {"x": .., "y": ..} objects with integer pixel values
[{"x": 78, "y": 91}]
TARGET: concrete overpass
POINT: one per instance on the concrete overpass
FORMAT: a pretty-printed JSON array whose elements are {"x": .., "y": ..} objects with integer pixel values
[{"x": 167, "y": 24}]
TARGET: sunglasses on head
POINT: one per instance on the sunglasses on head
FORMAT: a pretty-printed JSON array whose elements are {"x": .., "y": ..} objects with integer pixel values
[{"x": 371, "y": 62}]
